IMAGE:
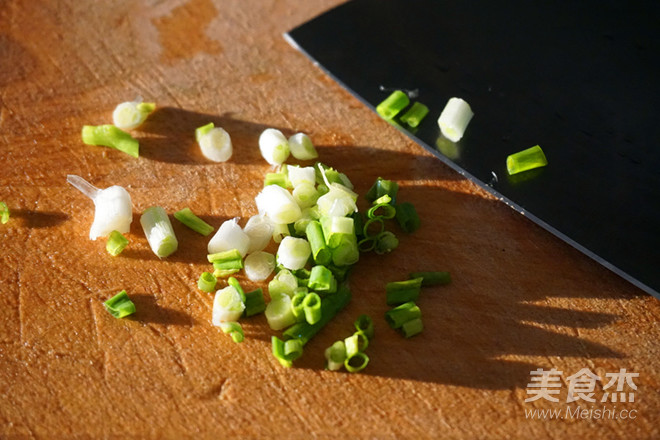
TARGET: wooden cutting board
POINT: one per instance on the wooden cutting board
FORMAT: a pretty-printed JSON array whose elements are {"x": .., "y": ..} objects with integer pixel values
[{"x": 520, "y": 298}]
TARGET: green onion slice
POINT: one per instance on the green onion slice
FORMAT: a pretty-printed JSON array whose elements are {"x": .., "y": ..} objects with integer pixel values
[
  {"x": 412, "y": 327},
  {"x": 401, "y": 314},
  {"x": 374, "y": 227},
  {"x": 188, "y": 218},
  {"x": 393, "y": 104},
  {"x": 312, "y": 307},
  {"x": 321, "y": 279},
  {"x": 236, "y": 285},
  {"x": 111, "y": 136},
  {"x": 399, "y": 292},
  {"x": 382, "y": 187},
  {"x": 158, "y": 230},
  {"x": 406, "y": 216},
  {"x": 357, "y": 362},
  {"x": 317, "y": 242},
  {"x": 4, "y": 213},
  {"x": 207, "y": 282},
  {"x": 414, "y": 115},
  {"x": 432, "y": 278},
  {"x": 234, "y": 329},
  {"x": 254, "y": 302},
  {"x": 386, "y": 242},
  {"x": 525, "y": 160},
  {"x": 365, "y": 324},
  {"x": 335, "y": 356},
  {"x": 116, "y": 243},
  {"x": 120, "y": 305}
]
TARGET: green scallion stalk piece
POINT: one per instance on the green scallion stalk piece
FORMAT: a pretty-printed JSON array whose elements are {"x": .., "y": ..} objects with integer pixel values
[
  {"x": 312, "y": 308},
  {"x": 297, "y": 306},
  {"x": 335, "y": 229},
  {"x": 356, "y": 362},
  {"x": 286, "y": 351},
  {"x": 322, "y": 280},
  {"x": 110, "y": 136},
  {"x": 302, "y": 275},
  {"x": 347, "y": 252},
  {"x": 207, "y": 282},
  {"x": 412, "y": 327},
  {"x": 386, "y": 242},
  {"x": 234, "y": 330},
  {"x": 432, "y": 278},
  {"x": 330, "y": 306},
  {"x": 278, "y": 179},
  {"x": 120, "y": 305},
  {"x": 326, "y": 175},
  {"x": 358, "y": 224},
  {"x": 159, "y": 232},
  {"x": 365, "y": 324},
  {"x": 406, "y": 216},
  {"x": 399, "y": 292},
  {"x": 254, "y": 302},
  {"x": 415, "y": 114},
  {"x": 525, "y": 160},
  {"x": 223, "y": 273},
  {"x": 393, "y": 104},
  {"x": 317, "y": 242},
  {"x": 340, "y": 272},
  {"x": 367, "y": 244},
  {"x": 116, "y": 243},
  {"x": 373, "y": 227},
  {"x": 335, "y": 356},
  {"x": 234, "y": 283},
  {"x": 188, "y": 218},
  {"x": 384, "y": 210},
  {"x": 356, "y": 343},
  {"x": 382, "y": 187},
  {"x": 401, "y": 314},
  {"x": 4, "y": 213},
  {"x": 226, "y": 260}
]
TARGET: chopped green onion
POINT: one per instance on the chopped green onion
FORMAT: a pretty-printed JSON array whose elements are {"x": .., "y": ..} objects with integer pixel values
[
  {"x": 384, "y": 210},
  {"x": 130, "y": 115},
  {"x": 158, "y": 230},
  {"x": 336, "y": 229},
  {"x": 406, "y": 215},
  {"x": 207, "y": 282},
  {"x": 297, "y": 305},
  {"x": 188, "y": 218},
  {"x": 317, "y": 242},
  {"x": 330, "y": 306},
  {"x": 214, "y": 142},
  {"x": 339, "y": 201},
  {"x": 279, "y": 312},
  {"x": 347, "y": 252},
  {"x": 230, "y": 260},
  {"x": 4, "y": 213},
  {"x": 382, "y": 187},
  {"x": 228, "y": 306},
  {"x": 401, "y": 314},
  {"x": 259, "y": 265},
  {"x": 274, "y": 146},
  {"x": 302, "y": 275},
  {"x": 278, "y": 179},
  {"x": 120, "y": 305},
  {"x": 525, "y": 160},
  {"x": 365, "y": 324},
  {"x": 393, "y": 104},
  {"x": 386, "y": 242},
  {"x": 373, "y": 227},
  {"x": 254, "y": 302},
  {"x": 223, "y": 273},
  {"x": 367, "y": 244},
  {"x": 335, "y": 355},
  {"x": 284, "y": 282},
  {"x": 357, "y": 362},
  {"x": 234, "y": 329},
  {"x": 355, "y": 343},
  {"x": 110, "y": 136},
  {"x": 301, "y": 147},
  {"x": 399, "y": 292},
  {"x": 432, "y": 278},
  {"x": 286, "y": 351},
  {"x": 305, "y": 195},
  {"x": 412, "y": 327},
  {"x": 414, "y": 115},
  {"x": 113, "y": 207},
  {"x": 116, "y": 243},
  {"x": 358, "y": 224},
  {"x": 326, "y": 175},
  {"x": 229, "y": 236},
  {"x": 260, "y": 231},
  {"x": 312, "y": 308},
  {"x": 322, "y": 280},
  {"x": 278, "y": 205},
  {"x": 301, "y": 175},
  {"x": 454, "y": 119},
  {"x": 236, "y": 285},
  {"x": 293, "y": 253}
]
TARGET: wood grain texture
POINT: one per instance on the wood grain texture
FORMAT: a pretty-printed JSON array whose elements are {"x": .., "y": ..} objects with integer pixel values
[{"x": 520, "y": 299}]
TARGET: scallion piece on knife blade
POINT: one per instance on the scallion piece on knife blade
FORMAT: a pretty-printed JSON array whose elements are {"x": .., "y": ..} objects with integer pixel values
[
  {"x": 259, "y": 265},
  {"x": 382, "y": 187},
  {"x": 4, "y": 213},
  {"x": 399, "y": 292},
  {"x": 455, "y": 118},
  {"x": 335, "y": 356},
  {"x": 131, "y": 114},
  {"x": 111, "y": 136},
  {"x": 393, "y": 104},
  {"x": 406, "y": 216},
  {"x": 414, "y": 115},
  {"x": 312, "y": 308},
  {"x": 274, "y": 146},
  {"x": 254, "y": 302},
  {"x": 116, "y": 243},
  {"x": 412, "y": 327},
  {"x": 229, "y": 236},
  {"x": 120, "y": 305},
  {"x": 188, "y": 218},
  {"x": 293, "y": 253},
  {"x": 234, "y": 330},
  {"x": 365, "y": 324},
  {"x": 525, "y": 160},
  {"x": 401, "y": 314},
  {"x": 301, "y": 147},
  {"x": 207, "y": 282},
  {"x": 214, "y": 142},
  {"x": 158, "y": 230},
  {"x": 432, "y": 278},
  {"x": 113, "y": 209},
  {"x": 227, "y": 306}
]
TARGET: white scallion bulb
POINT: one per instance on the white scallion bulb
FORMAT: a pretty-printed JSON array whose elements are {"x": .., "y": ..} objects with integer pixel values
[
  {"x": 131, "y": 114},
  {"x": 299, "y": 175},
  {"x": 278, "y": 205},
  {"x": 259, "y": 265},
  {"x": 293, "y": 253},
  {"x": 274, "y": 146},
  {"x": 216, "y": 145},
  {"x": 454, "y": 119},
  {"x": 229, "y": 236},
  {"x": 301, "y": 147},
  {"x": 227, "y": 306},
  {"x": 260, "y": 230}
]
